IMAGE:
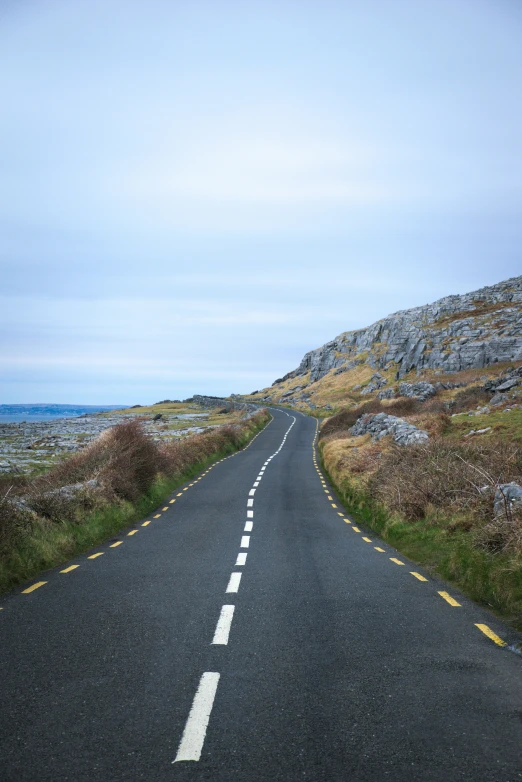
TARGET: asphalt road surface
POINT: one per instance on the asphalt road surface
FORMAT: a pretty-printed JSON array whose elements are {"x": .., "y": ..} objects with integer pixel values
[{"x": 249, "y": 631}]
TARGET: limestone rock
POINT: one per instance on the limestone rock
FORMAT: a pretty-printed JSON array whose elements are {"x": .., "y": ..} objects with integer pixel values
[
  {"x": 507, "y": 494},
  {"x": 381, "y": 425},
  {"x": 468, "y": 331},
  {"x": 420, "y": 390}
]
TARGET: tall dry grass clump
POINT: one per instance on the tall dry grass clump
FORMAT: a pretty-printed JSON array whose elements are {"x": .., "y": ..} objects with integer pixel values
[{"x": 457, "y": 482}]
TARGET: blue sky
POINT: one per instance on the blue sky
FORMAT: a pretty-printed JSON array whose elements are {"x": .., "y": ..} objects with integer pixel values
[{"x": 196, "y": 193}]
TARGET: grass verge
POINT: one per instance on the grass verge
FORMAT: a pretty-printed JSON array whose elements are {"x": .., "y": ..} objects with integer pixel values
[
  {"x": 50, "y": 543},
  {"x": 493, "y": 580}
]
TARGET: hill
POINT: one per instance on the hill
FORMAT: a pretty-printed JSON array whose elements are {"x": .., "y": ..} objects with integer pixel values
[
  {"x": 422, "y": 434},
  {"x": 481, "y": 330}
]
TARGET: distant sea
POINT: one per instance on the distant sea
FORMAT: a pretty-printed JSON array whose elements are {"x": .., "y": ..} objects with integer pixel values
[{"x": 43, "y": 412}]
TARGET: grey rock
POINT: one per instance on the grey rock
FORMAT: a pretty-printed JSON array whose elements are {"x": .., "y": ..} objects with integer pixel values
[
  {"x": 386, "y": 393},
  {"x": 421, "y": 390},
  {"x": 507, "y": 496},
  {"x": 452, "y": 334},
  {"x": 380, "y": 425},
  {"x": 508, "y": 384},
  {"x": 377, "y": 381},
  {"x": 497, "y": 399}
]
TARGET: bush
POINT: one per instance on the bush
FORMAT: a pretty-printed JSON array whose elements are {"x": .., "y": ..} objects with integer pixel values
[
  {"x": 443, "y": 479},
  {"x": 468, "y": 399}
]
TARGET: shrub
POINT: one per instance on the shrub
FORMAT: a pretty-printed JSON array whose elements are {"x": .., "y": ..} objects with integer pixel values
[
  {"x": 446, "y": 479},
  {"x": 468, "y": 399}
]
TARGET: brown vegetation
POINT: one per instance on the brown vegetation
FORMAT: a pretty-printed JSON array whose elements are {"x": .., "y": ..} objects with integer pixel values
[{"x": 121, "y": 466}]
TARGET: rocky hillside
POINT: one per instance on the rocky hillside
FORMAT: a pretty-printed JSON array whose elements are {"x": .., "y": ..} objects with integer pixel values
[{"x": 475, "y": 331}]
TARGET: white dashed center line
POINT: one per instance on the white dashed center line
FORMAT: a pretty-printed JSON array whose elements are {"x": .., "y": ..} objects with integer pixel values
[
  {"x": 245, "y": 541},
  {"x": 196, "y": 727},
  {"x": 223, "y": 625},
  {"x": 241, "y": 559},
  {"x": 248, "y": 526},
  {"x": 233, "y": 584}
]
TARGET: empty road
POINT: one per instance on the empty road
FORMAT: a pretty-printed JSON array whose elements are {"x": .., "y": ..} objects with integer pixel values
[{"x": 248, "y": 630}]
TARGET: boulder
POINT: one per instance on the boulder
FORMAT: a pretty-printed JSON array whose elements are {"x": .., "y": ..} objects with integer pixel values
[
  {"x": 420, "y": 390},
  {"x": 507, "y": 495},
  {"x": 380, "y": 425}
]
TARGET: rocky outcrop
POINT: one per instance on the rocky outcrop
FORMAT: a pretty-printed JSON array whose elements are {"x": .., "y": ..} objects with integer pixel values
[
  {"x": 381, "y": 425},
  {"x": 420, "y": 390},
  {"x": 457, "y": 332},
  {"x": 226, "y": 404}
]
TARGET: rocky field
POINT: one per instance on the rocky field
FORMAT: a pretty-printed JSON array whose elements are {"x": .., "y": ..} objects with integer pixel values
[{"x": 33, "y": 446}]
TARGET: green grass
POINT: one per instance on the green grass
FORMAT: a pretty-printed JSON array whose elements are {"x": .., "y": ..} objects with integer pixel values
[
  {"x": 52, "y": 544},
  {"x": 504, "y": 424},
  {"x": 491, "y": 580}
]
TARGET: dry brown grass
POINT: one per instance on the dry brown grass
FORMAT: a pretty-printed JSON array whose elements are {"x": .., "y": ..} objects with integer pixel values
[
  {"x": 120, "y": 466},
  {"x": 442, "y": 480}
]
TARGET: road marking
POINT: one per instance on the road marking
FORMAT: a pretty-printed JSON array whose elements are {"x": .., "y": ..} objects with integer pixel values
[
  {"x": 186, "y": 488},
  {"x": 397, "y": 561},
  {"x": 241, "y": 559},
  {"x": 245, "y": 541},
  {"x": 233, "y": 583},
  {"x": 367, "y": 540},
  {"x": 379, "y": 549},
  {"x": 356, "y": 529},
  {"x": 157, "y": 516},
  {"x": 250, "y": 503},
  {"x": 256, "y": 483},
  {"x": 132, "y": 532},
  {"x": 171, "y": 501},
  {"x": 250, "y": 514},
  {"x": 340, "y": 514},
  {"x": 334, "y": 505},
  {"x": 145, "y": 524},
  {"x": 197, "y": 722},
  {"x": 329, "y": 497},
  {"x": 68, "y": 569},
  {"x": 490, "y": 634},
  {"x": 93, "y": 556},
  {"x": 118, "y": 543},
  {"x": 248, "y": 526},
  {"x": 252, "y": 492},
  {"x": 178, "y": 495},
  {"x": 417, "y": 575},
  {"x": 347, "y": 521},
  {"x": 166, "y": 508},
  {"x": 449, "y": 599},
  {"x": 223, "y": 625},
  {"x": 33, "y": 587}
]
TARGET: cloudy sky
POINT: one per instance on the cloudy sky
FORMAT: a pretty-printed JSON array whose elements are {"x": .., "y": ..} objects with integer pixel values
[{"x": 196, "y": 192}]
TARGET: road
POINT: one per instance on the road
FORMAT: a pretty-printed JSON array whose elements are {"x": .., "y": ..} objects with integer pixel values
[{"x": 249, "y": 631}]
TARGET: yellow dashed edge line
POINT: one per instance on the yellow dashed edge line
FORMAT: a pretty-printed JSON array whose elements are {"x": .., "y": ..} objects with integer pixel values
[
  {"x": 449, "y": 599},
  {"x": 490, "y": 634},
  {"x": 33, "y": 587},
  {"x": 445, "y": 595},
  {"x": 70, "y": 568}
]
